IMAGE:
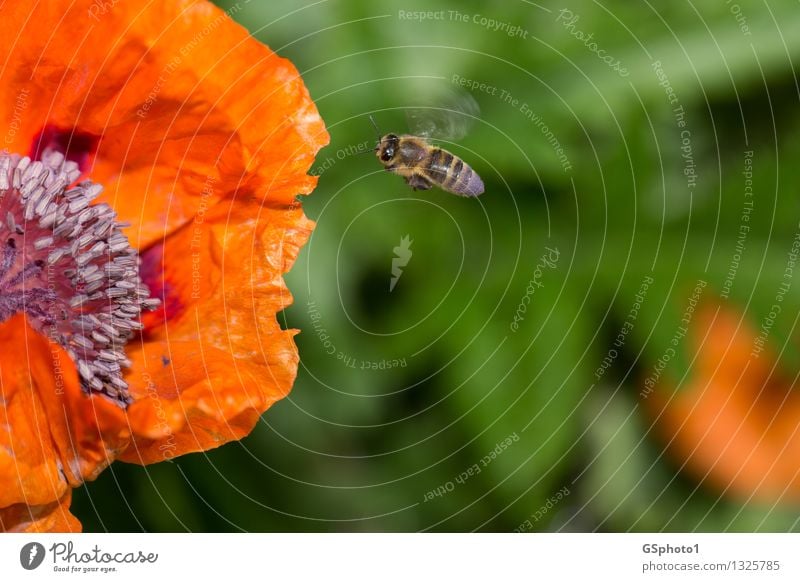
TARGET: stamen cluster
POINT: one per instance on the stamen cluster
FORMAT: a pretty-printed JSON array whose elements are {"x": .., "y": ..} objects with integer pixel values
[{"x": 66, "y": 264}]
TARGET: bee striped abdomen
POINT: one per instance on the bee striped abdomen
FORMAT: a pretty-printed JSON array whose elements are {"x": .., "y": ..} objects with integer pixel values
[
  {"x": 423, "y": 166},
  {"x": 452, "y": 174},
  {"x": 438, "y": 165}
]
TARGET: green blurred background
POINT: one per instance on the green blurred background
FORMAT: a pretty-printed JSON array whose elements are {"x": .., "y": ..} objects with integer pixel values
[{"x": 430, "y": 379}]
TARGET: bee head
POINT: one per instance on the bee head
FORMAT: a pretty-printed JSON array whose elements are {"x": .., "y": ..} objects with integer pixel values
[{"x": 386, "y": 148}]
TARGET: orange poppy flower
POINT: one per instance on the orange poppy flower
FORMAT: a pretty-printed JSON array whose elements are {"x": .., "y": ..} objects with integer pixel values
[
  {"x": 736, "y": 423},
  {"x": 137, "y": 319}
]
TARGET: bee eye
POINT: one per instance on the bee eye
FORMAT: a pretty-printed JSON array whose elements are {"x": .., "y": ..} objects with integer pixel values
[{"x": 388, "y": 154}]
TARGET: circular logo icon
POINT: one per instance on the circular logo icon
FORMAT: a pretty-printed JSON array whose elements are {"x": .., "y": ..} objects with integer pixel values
[{"x": 31, "y": 555}]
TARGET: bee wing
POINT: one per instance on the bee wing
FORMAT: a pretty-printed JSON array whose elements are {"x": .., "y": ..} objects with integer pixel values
[{"x": 447, "y": 114}]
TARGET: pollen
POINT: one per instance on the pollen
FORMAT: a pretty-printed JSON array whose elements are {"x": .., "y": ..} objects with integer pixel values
[{"x": 66, "y": 264}]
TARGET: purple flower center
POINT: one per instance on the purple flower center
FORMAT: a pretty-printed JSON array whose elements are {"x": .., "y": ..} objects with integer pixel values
[
  {"x": 65, "y": 264},
  {"x": 77, "y": 146}
]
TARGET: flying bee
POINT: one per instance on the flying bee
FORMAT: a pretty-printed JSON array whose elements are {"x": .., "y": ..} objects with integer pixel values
[{"x": 423, "y": 165}]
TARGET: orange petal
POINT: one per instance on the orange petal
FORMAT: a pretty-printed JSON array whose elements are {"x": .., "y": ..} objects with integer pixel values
[
  {"x": 184, "y": 107},
  {"x": 202, "y": 136},
  {"x": 52, "y": 436},
  {"x": 53, "y": 517},
  {"x": 204, "y": 376},
  {"x": 736, "y": 423}
]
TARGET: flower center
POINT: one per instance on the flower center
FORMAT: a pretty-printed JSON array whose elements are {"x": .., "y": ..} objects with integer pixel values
[{"x": 65, "y": 264}]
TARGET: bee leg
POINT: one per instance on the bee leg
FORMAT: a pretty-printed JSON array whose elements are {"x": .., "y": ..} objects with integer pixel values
[{"x": 418, "y": 182}]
